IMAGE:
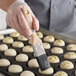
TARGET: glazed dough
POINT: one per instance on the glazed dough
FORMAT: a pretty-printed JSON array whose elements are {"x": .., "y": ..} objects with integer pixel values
[
  {"x": 46, "y": 45},
  {"x": 27, "y": 48},
  {"x": 33, "y": 63},
  {"x": 10, "y": 52},
  {"x": 59, "y": 42},
  {"x": 3, "y": 47},
  {"x": 57, "y": 50},
  {"x": 15, "y": 68},
  {"x": 71, "y": 47},
  {"x": 70, "y": 55},
  {"x": 66, "y": 65},
  {"x": 53, "y": 59},
  {"x": 60, "y": 73},
  {"x": 15, "y": 34},
  {"x": 27, "y": 73},
  {"x": 47, "y": 71},
  {"x": 22, "y": 58},
  {"x": 40, "y": 35},
  {"x": 1, "y": 37},
  {"x": 8, "y": 40},
  {"x": 4, "y": 62},
  {"x": 22, "y": 38},
  {"x": 17, "y": 44},
  {"x": 49, "y": 39}
]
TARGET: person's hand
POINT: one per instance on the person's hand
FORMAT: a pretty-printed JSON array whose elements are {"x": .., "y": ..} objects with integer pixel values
[{"x": 15, "y": 19}]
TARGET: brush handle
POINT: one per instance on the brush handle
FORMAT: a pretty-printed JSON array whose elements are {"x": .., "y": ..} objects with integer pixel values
[{"x": 27, "y": 15}]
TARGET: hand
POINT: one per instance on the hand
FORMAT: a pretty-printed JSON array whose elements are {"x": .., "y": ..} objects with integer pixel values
[{"x": 16, "y": 19}]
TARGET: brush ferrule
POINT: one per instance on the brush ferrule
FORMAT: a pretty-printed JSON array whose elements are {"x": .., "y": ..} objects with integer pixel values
[{"x": 39, "y": 49}]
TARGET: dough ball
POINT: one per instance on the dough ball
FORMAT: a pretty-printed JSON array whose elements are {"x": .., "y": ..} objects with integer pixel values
[
  {"x": 27, "y": 73},
  {"x": 17, "y": 44},
  {"x": 70, "y": 55},
  {"x": 3, "y": 47},
  {"x": 49, "y": 39},
  {"x": 10, "y": 52},
  {"x": 59, "y": 43},
  {"x": 1, "y": 37},
  {"x": 75, "y": 72},
  {"x": 66, "y": 65},
  {"x": 30, "y": 41},
  {"x": 53, "y": 59},
  {"x": 15, "y": 68},
  {"x": 40, "y": 35},
  {"x": 22, "y": 58},
  {"x": 22, "y": 38},
  {"x": 47, "y": 71},
  {"x": 57, "y": 50},
  {"x": 15, "y": 34},
  {"x": 60, "y": 73},
  {"x": 4, "y": 62},
  {"x": 46, "y": 45},
  {"x": 27, "y": 48},
  {"x": 71, "y": 47},
  {"x": 33, "y": 63},
  {"x": 8, "y": 40}
]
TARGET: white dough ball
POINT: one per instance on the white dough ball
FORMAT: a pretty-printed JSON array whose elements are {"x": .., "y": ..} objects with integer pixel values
[
  {"x": 70, "y": 55},
  {"x": 10, "y": 52},
  {"x": 53, "y": 59},
  {"x": 4, "y": 62},
  {"x": 8, "y": 40},
  {"x": 46, "y": 45},
  {"x": 71, "y": 47},
  {"x": 27, "y": 73},
  {"x": 66, "y": 65},
  {"x": 27, "y": 48},
  {"x": 60, "y": 73},
  {"x": 47, "y": 71},
  {"x": 33, "y": 63},
  {"x": 15, "y": 68},
  {"x": 3, "y": 47},
  {"x": 22, "y": 38},
  {"x": 57, "y": 50},
  {"x": 17, "y": 44},
  {"x": 59, "y": 42},
  {"x": 15, "y": 34},
  {"x": 1, "y": 37},
  {"x": 49, "y": 38},
  {"x": 40, "y": 35},
  {"x": 22, "y": 58}
]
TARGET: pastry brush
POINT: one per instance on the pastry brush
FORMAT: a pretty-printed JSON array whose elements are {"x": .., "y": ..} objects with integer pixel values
[{"x": 36, "y": 43}]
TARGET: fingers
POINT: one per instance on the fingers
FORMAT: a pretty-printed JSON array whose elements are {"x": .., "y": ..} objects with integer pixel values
[
  {"x": 16, "y": 20},
  {"x": 23, "y": 23},
  {"x": 35, "y": 23}
]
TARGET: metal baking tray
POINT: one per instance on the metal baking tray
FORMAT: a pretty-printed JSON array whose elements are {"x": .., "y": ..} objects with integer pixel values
[{"x": 56, "y": 67}]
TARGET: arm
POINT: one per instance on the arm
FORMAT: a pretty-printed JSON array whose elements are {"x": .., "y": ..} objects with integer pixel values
[
  {"x": 4, "y": 4},
  {"x": 15, "y": 17}
]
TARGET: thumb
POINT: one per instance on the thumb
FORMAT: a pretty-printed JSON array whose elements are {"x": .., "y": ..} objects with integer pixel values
[{"x": 35, "y": 23}]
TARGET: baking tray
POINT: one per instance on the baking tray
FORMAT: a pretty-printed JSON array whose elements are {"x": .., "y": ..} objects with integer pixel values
[{"x": 56, "y": 67}]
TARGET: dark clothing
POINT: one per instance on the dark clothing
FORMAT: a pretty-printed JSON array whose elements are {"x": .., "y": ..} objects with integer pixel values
[{"x": 55, "y": 15}]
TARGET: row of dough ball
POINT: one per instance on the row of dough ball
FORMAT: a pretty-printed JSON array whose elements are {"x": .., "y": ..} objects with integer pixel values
[
  {"x": 14, "y": 68},
  {"x": 10, "y": 40},
  {"x": 68, "y": 55},
  {"x": 28, "y": 48},
  {"x": 59, "y": 42},
  {"x": 64, "y": 64},
  {"x": 33, "y": 63}
]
